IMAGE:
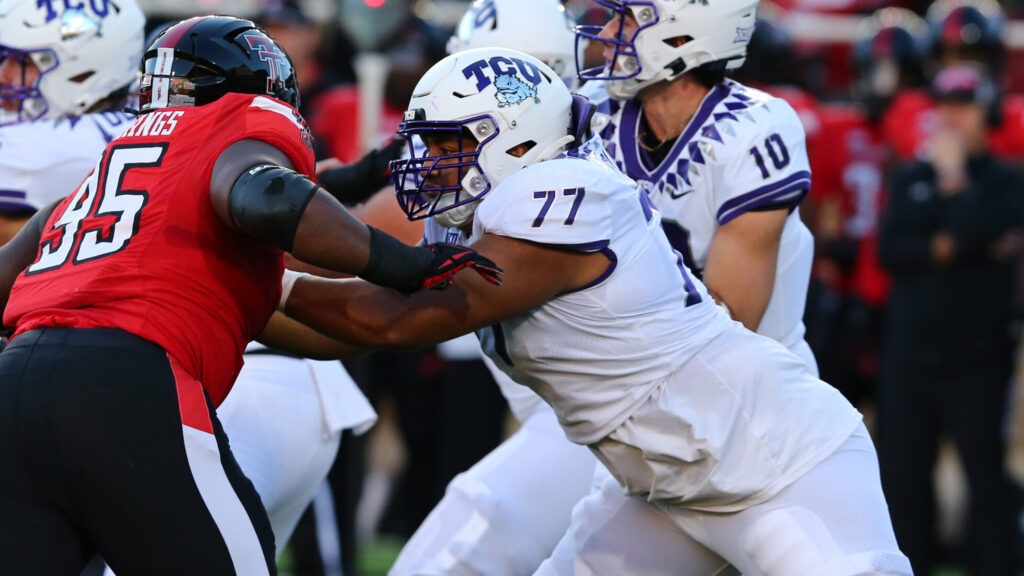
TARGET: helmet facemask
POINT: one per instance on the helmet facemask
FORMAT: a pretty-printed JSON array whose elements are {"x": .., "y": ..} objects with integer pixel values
[
  {"x": 425, "y": 184},
  {"x": 625, "y": 61},
  {"x": 659, "y": 40},
  {"x": 32, "y": 103}
]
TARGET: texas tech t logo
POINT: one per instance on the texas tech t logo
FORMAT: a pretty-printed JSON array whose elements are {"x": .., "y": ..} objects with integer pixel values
[{"x": 278, "y": 65}]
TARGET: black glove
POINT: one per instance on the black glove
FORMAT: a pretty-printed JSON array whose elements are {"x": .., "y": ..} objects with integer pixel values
[
  {"x": 450, "y": 258},
  {"x": 409, "y": 269},
  {"x": 354, "y": 183}
]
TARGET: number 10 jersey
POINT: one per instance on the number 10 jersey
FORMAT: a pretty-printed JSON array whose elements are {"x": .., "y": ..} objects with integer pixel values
[{"x": 742, "y": 150}]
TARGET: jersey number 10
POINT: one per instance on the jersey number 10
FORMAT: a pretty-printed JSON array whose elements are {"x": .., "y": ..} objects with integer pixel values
[{"x": 102, "y": 194}]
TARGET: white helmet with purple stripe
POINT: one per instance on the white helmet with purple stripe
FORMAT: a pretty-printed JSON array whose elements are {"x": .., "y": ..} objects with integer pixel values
[
  {"x": 504, "y": 100},
  {"x": 85, "y": 52},
  {"x": 656, "y": 40},
  {"x": 541, "y": 28}
]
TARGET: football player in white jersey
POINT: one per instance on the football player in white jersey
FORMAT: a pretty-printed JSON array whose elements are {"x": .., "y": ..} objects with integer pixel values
[
  {"x": 725, "y": 164},
  {"x": 62, "y": 87},
  {"x": 65, "y": 75},
  {"x": 734, "y": 453},
  {"x": 509, "y": 495}
]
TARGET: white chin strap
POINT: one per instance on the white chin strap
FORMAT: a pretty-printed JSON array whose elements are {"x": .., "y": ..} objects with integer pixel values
[
  {"x": 628, "y": 88},
  {"x": 457, "y": 217}
]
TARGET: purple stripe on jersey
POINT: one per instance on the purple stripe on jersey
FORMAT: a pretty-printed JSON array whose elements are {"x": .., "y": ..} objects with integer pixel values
[
  {"x": 776, "y": 193},
  {"x": 16, "y": 207},
  {"x": 630, "y": 128},
  {"x": 584, "y": 247},
  {"x": 612, "y": 264},
  {"x": 16, "y": 194}
]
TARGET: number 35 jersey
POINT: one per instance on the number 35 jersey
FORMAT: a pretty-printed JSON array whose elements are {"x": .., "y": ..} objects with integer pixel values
[
  {"x": 138, "y": 246},
  {"x": 595, "y": 354},
  {"x": 742, "y": 150}
]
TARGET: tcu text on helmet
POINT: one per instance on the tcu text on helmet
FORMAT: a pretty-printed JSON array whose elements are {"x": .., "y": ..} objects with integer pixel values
[
  {"x": 98, "y": 7},
  {"x": 486, "y": 70}
]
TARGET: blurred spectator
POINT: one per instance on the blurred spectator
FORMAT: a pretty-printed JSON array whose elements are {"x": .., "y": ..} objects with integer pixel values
[
  {"x": 329, "y": 97},
  {"x": 948, "y": 238},
  {"x": 848, "y": 288},
  {"x": 962, "y": 31}
]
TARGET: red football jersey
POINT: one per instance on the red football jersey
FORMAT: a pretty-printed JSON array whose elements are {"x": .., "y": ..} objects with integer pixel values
[{"x": 139, "y": 247}]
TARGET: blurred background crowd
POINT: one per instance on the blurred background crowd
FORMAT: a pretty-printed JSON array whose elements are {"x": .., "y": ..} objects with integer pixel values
[{"x": 914, "y": 296}]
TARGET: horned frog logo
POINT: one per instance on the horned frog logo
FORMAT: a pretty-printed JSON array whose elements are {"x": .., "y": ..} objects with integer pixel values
[{"x": 513, "y": 90}]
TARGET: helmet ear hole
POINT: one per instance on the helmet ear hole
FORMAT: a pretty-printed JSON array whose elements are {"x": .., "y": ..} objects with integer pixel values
[{"x": 520, "y": 150}]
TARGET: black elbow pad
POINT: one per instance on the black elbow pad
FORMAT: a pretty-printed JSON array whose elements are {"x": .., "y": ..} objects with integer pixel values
[{"x": 267, "y": 201}]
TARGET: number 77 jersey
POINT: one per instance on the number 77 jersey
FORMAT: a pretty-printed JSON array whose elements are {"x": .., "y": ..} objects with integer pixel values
[
  {"x": 595, "y": 353},
  {"x": 743, "y": 150},
  {"x": 137, "y": 246}
]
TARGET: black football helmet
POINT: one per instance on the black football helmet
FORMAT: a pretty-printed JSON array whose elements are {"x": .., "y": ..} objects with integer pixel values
[{"x": 198, "y": 60}]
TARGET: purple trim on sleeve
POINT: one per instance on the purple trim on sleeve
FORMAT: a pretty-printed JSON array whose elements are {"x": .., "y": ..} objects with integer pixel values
[
  {"x": 612, "y": 264},
  {"x": 781, "y": 193},
  {"x": 15, "y": 201},
  {"x": 630, "y": 124},
  {"x": 598, "y": 246}
]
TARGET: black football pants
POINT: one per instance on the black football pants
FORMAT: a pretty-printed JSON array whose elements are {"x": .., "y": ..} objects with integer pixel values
[{"x": 107, "y": 446}]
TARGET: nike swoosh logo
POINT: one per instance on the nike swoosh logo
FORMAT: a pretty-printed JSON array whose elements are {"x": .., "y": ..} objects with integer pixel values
[{"x": 677, "y": 195}]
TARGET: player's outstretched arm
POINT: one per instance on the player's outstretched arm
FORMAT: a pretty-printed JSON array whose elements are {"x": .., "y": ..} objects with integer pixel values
[
  {"x": 289, "y": 335},
  {"x": 255, "y": 191},
  {"x": 366, "y": 315},
  {"x": 19, "y": 253},
  {"x": 740, "y": 269}
]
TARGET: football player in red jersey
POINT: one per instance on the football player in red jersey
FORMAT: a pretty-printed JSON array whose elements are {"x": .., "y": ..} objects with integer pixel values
[{"x": 139, "y": 293}]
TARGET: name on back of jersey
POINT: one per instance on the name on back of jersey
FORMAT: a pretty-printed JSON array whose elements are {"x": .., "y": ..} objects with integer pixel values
[{"x": 157, "y": 123}]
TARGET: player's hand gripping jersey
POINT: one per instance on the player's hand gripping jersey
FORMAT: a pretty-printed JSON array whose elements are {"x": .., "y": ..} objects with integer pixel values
[
  {"x": 743, "y": 150},
  {"x": 204, "y": 290}
]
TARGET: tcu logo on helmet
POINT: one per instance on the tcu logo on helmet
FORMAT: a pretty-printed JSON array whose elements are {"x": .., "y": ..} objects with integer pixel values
[
  {"x": 99, "y": 7},
  {"x": 276, "y": 60},
  {"x": 508, "y": 71}
]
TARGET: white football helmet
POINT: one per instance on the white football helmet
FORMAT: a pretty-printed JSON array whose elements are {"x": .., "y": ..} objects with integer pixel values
[
  {"x": 671, "y": 37},
  {"x": 541, "y": 28},
  {"x": 502, "y": 99},
  {"x": 84, "y": 54}
]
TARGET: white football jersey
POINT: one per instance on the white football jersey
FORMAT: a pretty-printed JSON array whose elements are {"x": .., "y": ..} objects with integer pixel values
[
  {"x": 522, "y": 401},
  {"x": 595, "y": 354},
  {"x": 742, "y": 150},
  {"x": 45, "y": 160}
]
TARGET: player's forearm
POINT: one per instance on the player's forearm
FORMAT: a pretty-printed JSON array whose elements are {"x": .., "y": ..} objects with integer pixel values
[
  {"x": 362, "y": 314},
  {"x": 289, "y": 335},
  {"x": 746, "y": 295},
  {"x": 329, "y": 237}
]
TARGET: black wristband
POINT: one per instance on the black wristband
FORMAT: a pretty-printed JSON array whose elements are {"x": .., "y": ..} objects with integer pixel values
[{"x": 396, "y": 265}]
